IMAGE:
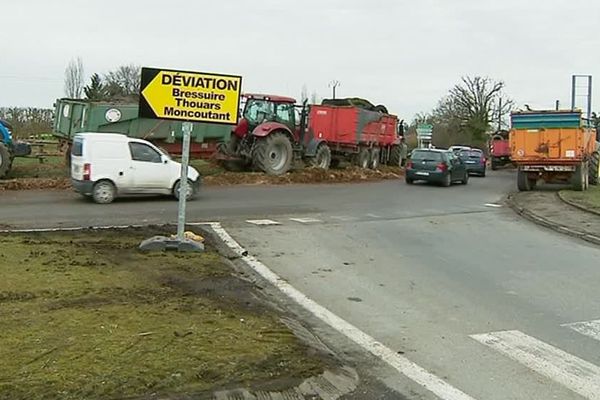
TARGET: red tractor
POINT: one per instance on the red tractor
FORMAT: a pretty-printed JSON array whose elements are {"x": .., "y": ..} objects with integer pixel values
[
  {"x": 274, "y": 132},
  {"x": 499, "y": 149}
]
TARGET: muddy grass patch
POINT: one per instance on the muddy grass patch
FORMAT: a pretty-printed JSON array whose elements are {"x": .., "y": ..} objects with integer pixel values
[{"x": 85, "y": 315}]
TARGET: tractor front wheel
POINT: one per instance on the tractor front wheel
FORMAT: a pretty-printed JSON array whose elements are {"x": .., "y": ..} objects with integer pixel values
[{"x": 273, "y": 154}]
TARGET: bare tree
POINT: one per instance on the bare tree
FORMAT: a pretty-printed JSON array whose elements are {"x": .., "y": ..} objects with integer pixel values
[
  {"x": 304, "y": 94},
  {"x": 124, "y": 81},
  {"x": 469, "y": 109},
  {"x": 314, "y": 98},
  {"x": 74, "y": 79}
]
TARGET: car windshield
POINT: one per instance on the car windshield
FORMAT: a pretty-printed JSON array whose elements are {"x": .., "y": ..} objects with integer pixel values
[
  {"x": 471, "y": 154},
  {"x": 427, "y": 156}
]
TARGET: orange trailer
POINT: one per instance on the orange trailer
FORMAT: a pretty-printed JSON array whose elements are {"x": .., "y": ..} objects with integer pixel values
[{"x": 554, "y": 146}]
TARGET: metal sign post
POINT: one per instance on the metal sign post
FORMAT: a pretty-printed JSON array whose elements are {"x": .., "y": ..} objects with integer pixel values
[{"x": 183, "y": 180}]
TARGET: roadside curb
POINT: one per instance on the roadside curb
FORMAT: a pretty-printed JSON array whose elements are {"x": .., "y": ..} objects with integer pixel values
[
  {"x": 578, "y": 206},
  {"x": 531, "y": 216}
]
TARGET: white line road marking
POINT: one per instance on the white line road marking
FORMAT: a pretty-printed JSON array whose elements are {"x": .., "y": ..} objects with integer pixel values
[
  {"x": 344, "y": 218},
  {"x": 374, "y": 216},
  {"x": 402, "y": 364},
  {"x": 262, "y": 222},
  {"x": 576, "y": 374},
  {"x": 588, "y": 328},
  {"x": 493, "y": 205},
  {"x": 306, "y": 220}
]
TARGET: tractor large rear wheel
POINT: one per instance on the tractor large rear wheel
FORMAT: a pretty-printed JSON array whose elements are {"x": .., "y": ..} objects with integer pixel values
[
  {"x": 395, "y": 156},
  {"x": 5, "y": 160},
  {"x": 273, "y": 154},
  {"x": 594, "y": 168}
]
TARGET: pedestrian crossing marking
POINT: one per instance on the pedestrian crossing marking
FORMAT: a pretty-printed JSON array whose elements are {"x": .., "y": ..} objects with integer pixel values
[
  {"x": 262, "y": 222},
  {"x": 587, "y": 328},
  {"x": 578, "y": 375}
]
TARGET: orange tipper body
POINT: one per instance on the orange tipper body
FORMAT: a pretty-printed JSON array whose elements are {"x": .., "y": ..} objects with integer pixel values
[{"x": 550, "y": 138}]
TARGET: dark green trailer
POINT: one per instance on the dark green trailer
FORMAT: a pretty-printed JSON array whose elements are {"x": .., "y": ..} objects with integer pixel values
[{"x": 75, "y": 116}]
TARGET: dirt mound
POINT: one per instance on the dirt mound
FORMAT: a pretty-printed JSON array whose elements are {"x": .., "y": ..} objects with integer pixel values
[
  {"x": 35, "y": 183},
  {"x": 309, "y": 175}
]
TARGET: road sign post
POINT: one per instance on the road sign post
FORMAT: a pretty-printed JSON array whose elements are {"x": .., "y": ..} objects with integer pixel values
[
  {"x": 189, "y": 97},
  {"x": 424, "y": 134},
  {"x": 183, "y": 180}
]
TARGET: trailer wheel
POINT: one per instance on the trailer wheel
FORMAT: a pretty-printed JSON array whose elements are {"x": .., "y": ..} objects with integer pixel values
[
  {"x": 594, "y": 168},
  {"x": 578, "y": 180},
  {"x": 374, "y": 158},
  {"x": 395, "y": 156},
  {"x": 5, "y": 160},
  {"x": 362, "y": 159},
  {"x": 523, "y": 181},
  {"x": 273, "y": 154},
  {"x": 494, "y": 164},
  {"x": 322, "y": 158}
]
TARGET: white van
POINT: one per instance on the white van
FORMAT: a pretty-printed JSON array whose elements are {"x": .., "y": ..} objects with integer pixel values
[{"x": 107, "y": 165}]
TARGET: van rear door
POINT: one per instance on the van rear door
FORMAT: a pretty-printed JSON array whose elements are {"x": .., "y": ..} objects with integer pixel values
[{"x": 77, "y": 158}]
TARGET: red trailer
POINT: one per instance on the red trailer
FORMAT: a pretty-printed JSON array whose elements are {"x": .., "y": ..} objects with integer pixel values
[
  {"x": 274, "y": 132},
  {"x": 353, "y": 134}
]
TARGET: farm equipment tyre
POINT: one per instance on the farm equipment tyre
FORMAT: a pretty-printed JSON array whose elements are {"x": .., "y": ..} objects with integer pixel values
[
  {"x": 322, "y": 158},
  {"x": 381, "y": 108},
  {"x": 273, "y": 154},
  {"x": 374, "y": 158},
  {"x": 362, "y": 159},
  {"x": 578, "y": 180},
  {"x": 594, "y": 170},
  {"x": 523, "y": 181},
  {"x": 494, "y": 165},
  {"x": 395, "y": 156},
  {"x": 5, "y": 160}
]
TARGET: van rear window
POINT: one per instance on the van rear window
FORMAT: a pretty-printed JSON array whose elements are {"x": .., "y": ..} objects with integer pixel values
[{"x": 77, "y": 148}]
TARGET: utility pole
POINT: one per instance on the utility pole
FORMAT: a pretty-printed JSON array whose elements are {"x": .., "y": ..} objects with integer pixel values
[
  {"x": 499, "y": 114},
  {"x": 333, "y": 85}
]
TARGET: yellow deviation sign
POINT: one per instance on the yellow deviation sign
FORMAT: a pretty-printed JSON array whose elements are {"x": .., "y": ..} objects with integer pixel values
[{"x": 190, "y": 96}]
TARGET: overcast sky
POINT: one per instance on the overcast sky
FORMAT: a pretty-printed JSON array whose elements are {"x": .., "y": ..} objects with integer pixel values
[{"x": 405, "y": 54}]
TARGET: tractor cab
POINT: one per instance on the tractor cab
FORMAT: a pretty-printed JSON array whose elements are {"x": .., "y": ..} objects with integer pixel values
[{"x": 260, "y": 109}]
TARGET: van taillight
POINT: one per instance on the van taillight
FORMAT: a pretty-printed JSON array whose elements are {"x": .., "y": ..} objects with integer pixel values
[{"x": 87, "y": 172}]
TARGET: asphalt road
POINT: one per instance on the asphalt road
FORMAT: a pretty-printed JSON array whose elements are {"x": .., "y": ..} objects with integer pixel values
[{"x": 465, "y": 289}]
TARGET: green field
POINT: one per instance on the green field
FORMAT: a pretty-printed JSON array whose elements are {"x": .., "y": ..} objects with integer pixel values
[{"x": 87, "y": 316}]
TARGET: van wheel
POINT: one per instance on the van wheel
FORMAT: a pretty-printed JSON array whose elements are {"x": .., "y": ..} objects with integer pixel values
[
  {"x": 104, "y": 192},
  {"x": 191, "y": 190}
]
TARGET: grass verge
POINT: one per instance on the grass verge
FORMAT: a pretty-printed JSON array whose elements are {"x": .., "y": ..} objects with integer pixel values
[
  {"x": 86, "y": 315},
  {"x": 589, "y": 199}
]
